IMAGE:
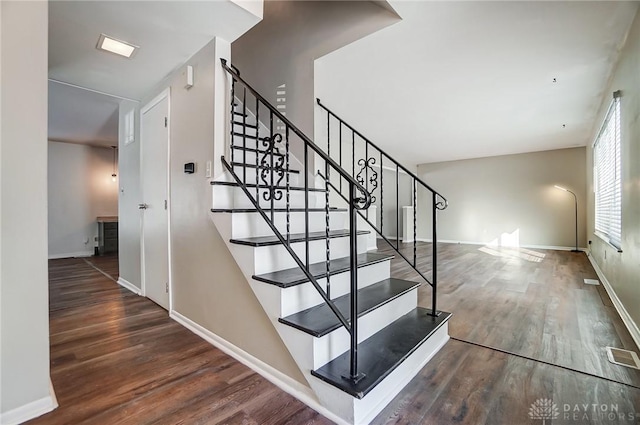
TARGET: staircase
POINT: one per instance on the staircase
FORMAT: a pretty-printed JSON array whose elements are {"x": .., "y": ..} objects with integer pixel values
[{"x": 298, "y": 227}]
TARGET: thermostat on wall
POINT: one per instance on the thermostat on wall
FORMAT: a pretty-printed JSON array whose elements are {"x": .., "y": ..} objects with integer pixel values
[{"x": 190, "y": 167}]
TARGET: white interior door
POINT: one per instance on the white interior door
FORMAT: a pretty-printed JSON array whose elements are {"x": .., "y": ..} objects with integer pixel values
[{"x": 155, "y": 230}]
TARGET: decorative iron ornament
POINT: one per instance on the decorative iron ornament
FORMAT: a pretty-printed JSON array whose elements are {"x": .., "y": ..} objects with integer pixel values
[
  {"x": 441, "y": 203},
  {"x": 373, "y": 178},
  {"x": 272, "y": 163}
]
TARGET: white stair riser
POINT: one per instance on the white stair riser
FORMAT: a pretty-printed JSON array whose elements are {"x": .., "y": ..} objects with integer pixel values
[
  {"x": 252, "y": 177},
  {"x": 337, "y": 342},
  {"x": 363, "y": 411},
  {"x": 239, "y": 128},
  {"x": 249, "y": 157},
  {"x": 246, "y": 225},
  {"x": 304, "y": 296},
  {"x": 275, "y": 257},
  {"x": 234, "y": 197},
  {"x": 287, "y": 301},
  {"x": 311, "y": 352}
]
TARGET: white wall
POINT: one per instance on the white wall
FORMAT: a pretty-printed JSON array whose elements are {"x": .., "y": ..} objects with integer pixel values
[
  {"x": 282, "y": 48},
  {"x": 508, "y": 199},
  {"x": 622, "y": 270},
  {"x": 80, "y": 188},
  {"x": 128, "y": 198},
  {"x": 24, "y": 303}
]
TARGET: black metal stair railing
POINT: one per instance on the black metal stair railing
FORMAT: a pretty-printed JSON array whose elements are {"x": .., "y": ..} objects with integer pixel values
[
  {"x": 368, "y": 177},
  {"x": 273, "y": 167}
]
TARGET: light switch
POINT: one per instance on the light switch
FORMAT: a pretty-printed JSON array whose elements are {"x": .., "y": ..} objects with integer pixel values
[{"x": 208, "y": 170}]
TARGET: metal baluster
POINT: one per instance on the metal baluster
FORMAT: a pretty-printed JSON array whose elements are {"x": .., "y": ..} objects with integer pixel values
[
  {"x": 258, "y": 152},
  {"x": 306, "y": 204},
  {"x": 353, "y": 153},
  {"x": 381, "y": 195},
  {"x": 366, "y": 171},
  {"x": 415, "y": 210},
  {"x": 288, "y": 187},
  {"x": 326, "y": 206},
  {"x": 271, "y": 147},
  {"x": 353, "y": 239},
  {"x": 340, "y": 149},
  {"x": 397, "y": 207},
  {"x": 244, "y": 135},
  {"x": 233, "y": 114},
  {"x": 434, "y": 253}
]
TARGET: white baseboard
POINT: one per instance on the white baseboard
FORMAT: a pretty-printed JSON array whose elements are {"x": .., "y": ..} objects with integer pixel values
[
  {"x": 128, "y": 285},
  {"x": 273, "y": 375},
  {"x": 553, "y": 247},
  {"x": 30, "y": 410},
  {"x": 71, "y": 255},
  {"x": 632, "y": 327}
]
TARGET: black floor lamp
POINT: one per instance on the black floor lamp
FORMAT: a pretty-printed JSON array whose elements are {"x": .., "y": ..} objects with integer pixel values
[{"x": 576, "y": 207}]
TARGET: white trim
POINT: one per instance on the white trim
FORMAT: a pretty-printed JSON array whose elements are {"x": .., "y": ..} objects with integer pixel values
[
  {"x": 30, "y": 411},
  {"x": 552, "y": 247},
  {"x": 79, "y": 254},
  {"x": 273, "y": 375},
  {"x": 128, "y": 285},
  {"x": 164, "y": 93},
  {"x": 631, "y": 326}
]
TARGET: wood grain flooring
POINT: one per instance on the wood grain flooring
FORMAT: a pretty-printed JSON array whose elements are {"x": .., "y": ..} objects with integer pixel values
[
  {"x": 117, "y": 358},
  {"x": 529, "y": 302}
]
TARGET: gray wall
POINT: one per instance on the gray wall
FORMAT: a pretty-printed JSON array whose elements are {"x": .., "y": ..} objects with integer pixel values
[
  {"x": 24, "y": 306},
  {"x": 623, "y": 269},
  {"x": 490, "y": 198},
  {"x": 207, "y": 285},
  {"x": 80, "y": 188}
]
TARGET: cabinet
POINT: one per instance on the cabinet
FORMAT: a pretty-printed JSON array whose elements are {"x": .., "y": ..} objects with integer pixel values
[{"x": 107, "y": 235}]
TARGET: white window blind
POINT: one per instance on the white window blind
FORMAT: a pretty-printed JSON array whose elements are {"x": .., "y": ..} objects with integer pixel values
[{"x": 607, "y": 179}]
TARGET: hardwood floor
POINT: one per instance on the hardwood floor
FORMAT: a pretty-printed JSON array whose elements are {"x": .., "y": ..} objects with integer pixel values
[
  {"x": 118, "y": 359},
  {"x": 530, "y": 302}
]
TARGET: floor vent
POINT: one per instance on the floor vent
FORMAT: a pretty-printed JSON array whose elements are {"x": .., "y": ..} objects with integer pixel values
[
  {"x": 623, "y": 357},
  {"x": 592, "y": 282}
]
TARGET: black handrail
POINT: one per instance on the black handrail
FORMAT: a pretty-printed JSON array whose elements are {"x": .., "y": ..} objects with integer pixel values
[
  {"x": 275, "y": 165},
  {"x": 402, "y": 167},
  {"x": 363, "y": 203},
  {"x": 439, "y": 202}
]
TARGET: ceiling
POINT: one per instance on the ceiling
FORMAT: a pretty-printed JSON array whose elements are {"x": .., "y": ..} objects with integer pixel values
[
  {"x": 168, "y": 33},
  {"x": 81, "y": 116},
  {"x": 457, "y": 80}
]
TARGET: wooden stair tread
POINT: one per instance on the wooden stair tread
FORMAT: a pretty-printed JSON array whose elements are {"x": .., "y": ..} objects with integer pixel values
[
  {"x": 383, "y": 352},
  {"x": 320, "y": 320},
  {"x": 294, "y": 276},
  {"x": 294, "y": 237}
]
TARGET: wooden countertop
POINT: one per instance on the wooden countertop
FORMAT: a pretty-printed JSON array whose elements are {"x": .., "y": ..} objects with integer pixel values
[{"x": 107, "y": 219}]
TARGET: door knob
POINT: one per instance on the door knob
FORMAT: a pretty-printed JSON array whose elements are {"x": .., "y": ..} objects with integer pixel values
[{"x": 143, "y": 206}]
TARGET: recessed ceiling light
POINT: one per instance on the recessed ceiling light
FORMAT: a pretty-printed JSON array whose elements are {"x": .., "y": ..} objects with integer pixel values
[{"x": 118, "y": 47}]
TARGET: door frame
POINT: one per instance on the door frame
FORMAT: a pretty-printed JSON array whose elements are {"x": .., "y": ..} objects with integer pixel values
[{"x": 166, "y": 93}]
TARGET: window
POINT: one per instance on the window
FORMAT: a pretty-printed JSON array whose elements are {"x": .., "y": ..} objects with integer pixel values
[
  {"x": 607, "y": 179},
  {"x": 129, "y": 127}
]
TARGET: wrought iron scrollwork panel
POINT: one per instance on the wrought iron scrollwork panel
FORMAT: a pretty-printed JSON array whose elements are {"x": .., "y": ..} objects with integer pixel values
[
  {"x": 272, "y": 166},
  {"x": 366, "y": 166}
]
